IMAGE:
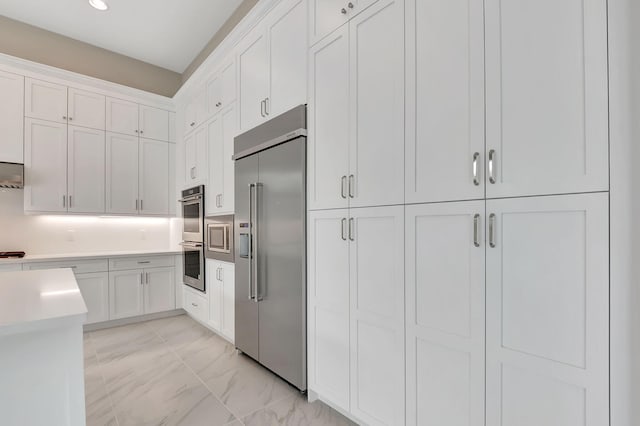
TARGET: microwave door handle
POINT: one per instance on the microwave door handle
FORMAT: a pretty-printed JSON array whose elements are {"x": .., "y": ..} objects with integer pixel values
[{"x": 251, "y": 186}]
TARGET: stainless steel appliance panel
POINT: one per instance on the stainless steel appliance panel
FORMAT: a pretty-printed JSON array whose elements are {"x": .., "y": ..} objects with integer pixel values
[
  {"x": 193, "y": 264},
  {"x": 219, "y": 238},
  {"x": 193, "y": 214},
  {"x": 246, "y": 309},
  {"x": 281, "y": 274}
]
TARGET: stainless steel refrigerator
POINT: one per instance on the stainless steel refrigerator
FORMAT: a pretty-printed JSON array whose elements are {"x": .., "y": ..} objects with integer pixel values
[{"x": 270, "y": 252}]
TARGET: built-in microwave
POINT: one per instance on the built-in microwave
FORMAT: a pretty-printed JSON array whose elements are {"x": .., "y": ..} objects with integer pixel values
[{"x": 219, "y": 238}]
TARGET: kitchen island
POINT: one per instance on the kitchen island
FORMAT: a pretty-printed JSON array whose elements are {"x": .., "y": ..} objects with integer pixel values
[{"x": 41, "y": 349}]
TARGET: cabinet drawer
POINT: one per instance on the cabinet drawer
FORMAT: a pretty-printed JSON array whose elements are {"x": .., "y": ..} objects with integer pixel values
[
  {"x": 196, "y": 305},
  {"x": 78, "y": 266},
  {"x": 124, "y": 263}
]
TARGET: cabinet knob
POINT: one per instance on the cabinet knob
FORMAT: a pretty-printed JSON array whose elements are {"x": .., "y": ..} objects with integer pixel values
[
  {"x": 136, "y": 131},
  {"x": 350, "y": 5},
  {"x": 193, "y": 123},
  {"x": 64, "y": 117},
  {"x": 141, "y": 131},
  {"x": 343, "y": 11},
  {"x": 70, "y": 118}
]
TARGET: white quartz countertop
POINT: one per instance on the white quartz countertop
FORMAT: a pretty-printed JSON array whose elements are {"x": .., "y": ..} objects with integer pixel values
[
  {"x": 36, "y": 300},
  {"x": 89, "y": 255}
]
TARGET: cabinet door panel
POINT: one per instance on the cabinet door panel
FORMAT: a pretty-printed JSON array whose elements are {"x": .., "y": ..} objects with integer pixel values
[
  {"x": 548, "y": 311},
  {"x": 214, "y": 292},
  {"x": 126, "y": 294},
  {"x": 122, "y": 174},
  {"x": 86, "y": 170},
  {"x": 122, "y": 117},
  {"x": 286, "y": 33},
  {"x": 154, "y": 123},
  {"x": 154, "y": 177},
  {"x": 228, "y": 75},
  {"x": 377, "y": 314},
  {"x": 547, "y": 124},
  {"x": 445, "y": 300},
  {"x": 228, "y": 300},
  {"x": 159, "y": 290},
  {"x": 94, "y": 288},
  {"x": 328, "y": 319},
  {"x": 214, "y": 95},
  {"x": 86, "y": 109},
  {"x": 196, "y": 156},
  {"x": 328, "y": 143},
  {"x": 12, "y": 117},
  {"x": 252, "y": 78},
  {"x": 215, "y": 147},
  {"x": 229, "y": 130},
  {"x": 45, "y": 101},
  {"x": 326, "y": 16},
  {"x": 45, "y": 164},
  {"x": 445, "y": 100},
  {"x": 377, "y": 105}
]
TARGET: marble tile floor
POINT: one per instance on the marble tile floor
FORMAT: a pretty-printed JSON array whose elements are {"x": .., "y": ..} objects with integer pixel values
[{"x": 173, "y": 371}]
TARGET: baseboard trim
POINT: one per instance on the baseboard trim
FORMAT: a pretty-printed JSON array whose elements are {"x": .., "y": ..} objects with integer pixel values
[{"x": 133, "y": 320}]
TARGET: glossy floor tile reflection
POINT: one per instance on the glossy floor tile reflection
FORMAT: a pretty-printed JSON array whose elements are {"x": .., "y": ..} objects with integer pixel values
[{"x": 174, "y": 371}]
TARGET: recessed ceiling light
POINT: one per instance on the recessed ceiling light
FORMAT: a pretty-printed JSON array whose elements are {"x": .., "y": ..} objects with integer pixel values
[{"x": 99, "y": 4}]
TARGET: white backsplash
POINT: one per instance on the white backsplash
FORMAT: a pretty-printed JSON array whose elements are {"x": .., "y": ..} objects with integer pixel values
[{"x": 60, "y": 234}]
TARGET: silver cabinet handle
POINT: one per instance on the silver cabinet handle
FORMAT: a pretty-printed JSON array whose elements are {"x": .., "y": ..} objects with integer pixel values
[
  {"x": 137, "y": 205},
  {"x": 492, "y": 230},
  {"x": 352, "y": 185},
  {"x": 351, "y": 229},
  {"x": 476, "y": 177},
  {"x": 343, "y": 184},
  {"x": 343, "y": 225},
  {"x": 141, "y": 278},
  {"x": 195, "y": 305},
  {"x": 492, "y": 166},
  {"x": 218, "y": 274},
  {"x": 144, "y": 262},
  {"x": 136, "y": 131},
  {"x": 343, "y": 11},
  {"x": 141, "y": 205},
  {"x": 146, "y": 278},
  {"x": 193, "y": 172},
  {"x": 64, "y": 117},
  {"x": 70, "y": 201},
  {"x": 476, "y": 230},
  {"x": 266, "y": 106},
  {"x": 64, "y": 201},
  {"x": 262, "y": 108}
]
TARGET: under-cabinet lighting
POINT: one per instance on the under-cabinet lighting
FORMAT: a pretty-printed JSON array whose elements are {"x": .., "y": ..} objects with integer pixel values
[
  {"x": 59, "y": 292},
  {"x": 99, "y": 4}
]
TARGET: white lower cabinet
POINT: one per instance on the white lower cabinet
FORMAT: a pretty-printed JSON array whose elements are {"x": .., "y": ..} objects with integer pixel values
[
  {"x": 445, "y": 300},
  {"x": 221, "y": 293},
  {"x": 141, "y": 291},
  {"x": 548, "y": 311},
  {"x": 126, "y": 294},
  {"x": 356, "y": 305},
  {"x": 94, "y": 288},
  {"x": 196, "y": 304}
]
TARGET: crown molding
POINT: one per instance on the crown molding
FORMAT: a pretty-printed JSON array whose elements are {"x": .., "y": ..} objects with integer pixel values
[{"x": 40, "y": 71}]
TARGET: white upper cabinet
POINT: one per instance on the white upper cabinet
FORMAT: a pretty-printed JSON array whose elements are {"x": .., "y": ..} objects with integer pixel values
[
  {"x": 86, "y": 109},
  {"x": 272, "y": 67},
  {"x": 45, "y": 161},
  {"x": 153, "y": 177},
  {"x": 376, "y": 148},
  {"x": 154, "y": 123},
  {"x": 122, "y": 174},
  {"x": 444, "y": 100},
  {"x": 12, "y": 117},
  {"x": 445, "y": 300},
  {"x": 221, "y": 132},
  {"x": 196, "y": 112},
  {"x": 122, "y": 117},
  {"x": 327, "y": 15},
  {"x": 86, "y": 170},
  {"x": 214, "y": 94},
  {"x": 547, "y": 97},
  {"x": 45, "y": 101},
  {"x": 548, "y": 310},
  {"x": 228, "y": 76},
  {"x": 196, "y": 157},
  {"x": 287, "y": 53},
  {"x": 328, "y": 121},
  {"x": 253, "y": 69}
]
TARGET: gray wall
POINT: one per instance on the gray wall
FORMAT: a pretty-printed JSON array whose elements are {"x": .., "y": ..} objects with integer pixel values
[{"x": 38, "y": 45}]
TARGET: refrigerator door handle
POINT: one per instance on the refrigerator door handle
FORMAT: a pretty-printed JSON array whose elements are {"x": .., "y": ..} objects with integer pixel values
[
  {"x": 257, "y": 297},
  {"x": 251, "y": 187}
]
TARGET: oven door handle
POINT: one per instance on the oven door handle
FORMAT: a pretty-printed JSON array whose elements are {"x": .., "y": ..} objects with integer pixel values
[
  {"x": 194, "y": 245},
  {"x": 187, "y": 199}
]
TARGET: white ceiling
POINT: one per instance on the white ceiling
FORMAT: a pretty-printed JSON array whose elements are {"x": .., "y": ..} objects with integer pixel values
[{"x": 166, "y": 33}]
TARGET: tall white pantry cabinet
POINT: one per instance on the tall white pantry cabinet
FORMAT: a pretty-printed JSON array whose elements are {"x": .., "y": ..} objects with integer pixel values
[{"x": 474, "y": 290}]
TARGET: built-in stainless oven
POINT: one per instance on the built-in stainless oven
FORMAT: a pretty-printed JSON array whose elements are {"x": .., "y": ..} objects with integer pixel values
[
  {"x": 193, "y": 214},
  {"x": 219, "y": 238},
  {"x": 193, "y": 237}
]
